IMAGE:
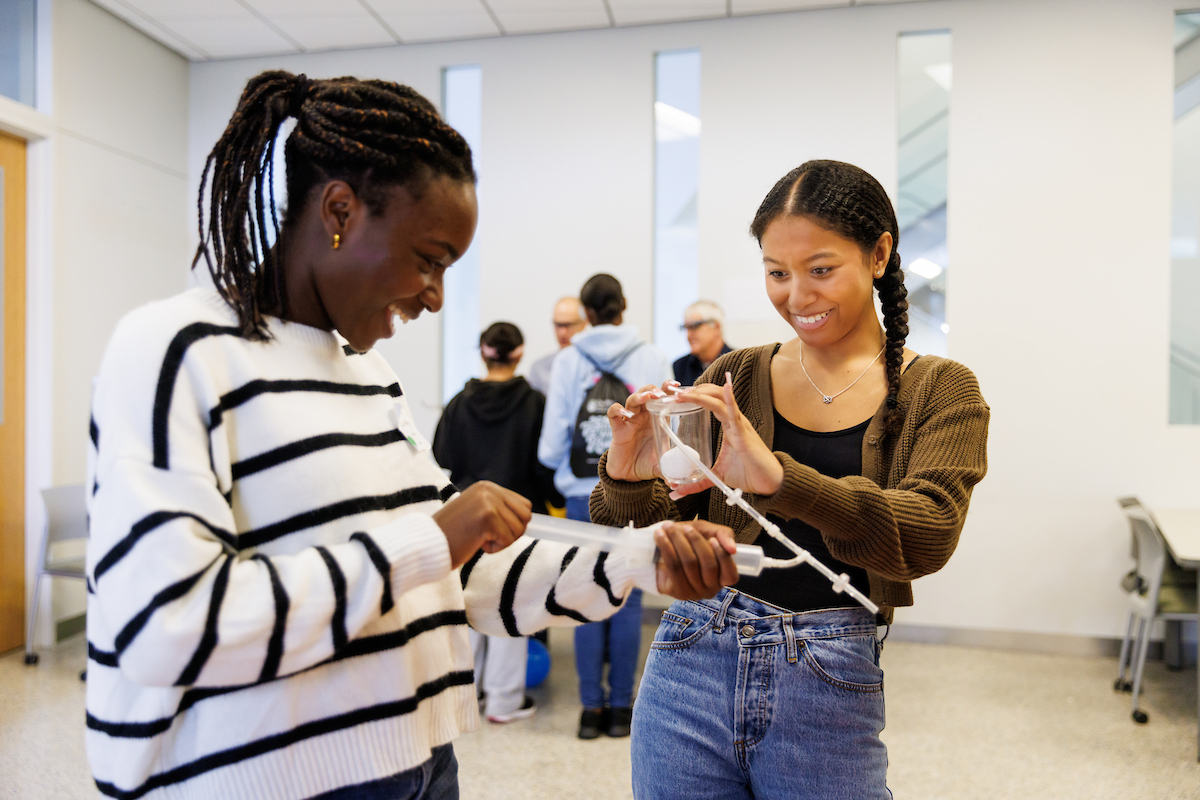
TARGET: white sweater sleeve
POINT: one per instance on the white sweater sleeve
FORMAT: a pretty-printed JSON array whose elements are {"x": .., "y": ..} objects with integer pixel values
[
  {"x": 534, "y": 584},
  {"x": 185, "y": 605}
]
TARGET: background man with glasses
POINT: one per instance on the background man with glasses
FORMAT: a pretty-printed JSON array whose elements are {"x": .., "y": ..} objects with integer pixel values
[
  {"x": 569, "y": 320},
  {"x": 702, "y": 321}
]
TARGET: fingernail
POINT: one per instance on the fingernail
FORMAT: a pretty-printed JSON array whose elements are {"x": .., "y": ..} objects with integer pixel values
[
  {"x": 675, "y": 495},
  {"x": 625, "y": 412},
  {"x": 728, "y": 377}
]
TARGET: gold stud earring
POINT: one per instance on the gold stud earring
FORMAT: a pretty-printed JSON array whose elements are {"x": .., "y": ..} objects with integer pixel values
[{"x": 337, "y": 241}]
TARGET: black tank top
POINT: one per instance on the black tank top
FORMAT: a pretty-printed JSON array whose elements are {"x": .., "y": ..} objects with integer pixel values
[{"x": 835, "y": 454}]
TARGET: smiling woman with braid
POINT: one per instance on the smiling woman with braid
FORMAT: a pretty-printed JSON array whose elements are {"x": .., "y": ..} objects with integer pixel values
[
  {"x": 280, "y": 577},
  {"x": 862, "y": 452}
]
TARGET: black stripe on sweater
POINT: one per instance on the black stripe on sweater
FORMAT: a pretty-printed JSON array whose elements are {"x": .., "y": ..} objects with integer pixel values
[
  {"x": 602, "y": 580},
  {"x": 144, "y": 526},
  {"x": 300, "y": 733},
  {"x": 282, "y": 605},
  {"x": 508, "y": 595},
  {"x": 368, "y": 645},
  {"x": 252, "y": 389},
  {"x": 208, "y": 642},
  {"x": 167, "y": 376},
  {"x": 464, "y": 574},
  {"x": 94, "y": 431},
  {"x": 303, "y": 447},
  {"x": 552, "y": 605},
  {"x": 102, "y": 657},
  {"x": 335, "y": 511},
  {"x": 386, "y": 603},
  {"x": 448, "y": 491},
  {"x": 337, "y": 625},
  {"x": 167, "y": 595},
  {"x": 130, "y": 730}
]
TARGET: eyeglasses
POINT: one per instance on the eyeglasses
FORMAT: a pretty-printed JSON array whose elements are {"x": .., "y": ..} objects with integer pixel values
[
  {"x": 691, "y": 326},
  {"x": 564, "y": 325}
]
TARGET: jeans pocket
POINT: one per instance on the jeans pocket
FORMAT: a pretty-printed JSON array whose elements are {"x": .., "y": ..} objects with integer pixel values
[
  {"x": 676, "y": 632},
  {"x": 847, "y": 662}
]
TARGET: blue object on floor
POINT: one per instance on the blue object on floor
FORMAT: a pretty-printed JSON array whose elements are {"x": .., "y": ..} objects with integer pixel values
[{"x": 537, "y": 667}]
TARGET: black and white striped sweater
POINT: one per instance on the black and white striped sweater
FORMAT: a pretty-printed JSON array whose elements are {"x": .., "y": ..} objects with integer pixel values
[{"x": 272, "y": 612}]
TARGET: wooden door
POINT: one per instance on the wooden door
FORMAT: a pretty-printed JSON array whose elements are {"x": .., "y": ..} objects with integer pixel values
[{"x": 12, "y": 393}]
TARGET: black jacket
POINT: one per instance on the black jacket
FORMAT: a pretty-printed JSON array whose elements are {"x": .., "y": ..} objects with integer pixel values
[{"x": 489, "y": 432}]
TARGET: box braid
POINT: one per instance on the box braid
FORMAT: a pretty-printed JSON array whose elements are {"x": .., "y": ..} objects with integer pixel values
[
  {"x": 371, "y": 134},
  {"x": 848, "y": 201}
]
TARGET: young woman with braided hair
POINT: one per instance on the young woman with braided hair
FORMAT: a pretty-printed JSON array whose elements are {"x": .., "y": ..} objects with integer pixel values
[
  {"x": 280, "y": 577},
  {"x": 863, "y": 452}
]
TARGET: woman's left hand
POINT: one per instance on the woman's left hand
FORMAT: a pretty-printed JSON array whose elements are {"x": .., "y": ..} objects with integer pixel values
[
  {"x": 745, "y": 462},
  {"x": 694, "y": 559}
]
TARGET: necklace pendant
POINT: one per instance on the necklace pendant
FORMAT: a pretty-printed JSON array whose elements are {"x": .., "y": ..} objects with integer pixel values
[{"x": 826, "y": 399}]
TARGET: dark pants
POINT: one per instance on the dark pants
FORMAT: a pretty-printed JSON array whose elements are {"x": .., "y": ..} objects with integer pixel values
[
  {"x": 436, "y": 779},
  {"x": 619, "y": 638}
]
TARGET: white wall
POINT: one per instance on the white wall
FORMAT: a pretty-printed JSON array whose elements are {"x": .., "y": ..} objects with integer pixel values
[
  {"x": 1059, "y": 227},
  {"x": 118, "y": 216}
]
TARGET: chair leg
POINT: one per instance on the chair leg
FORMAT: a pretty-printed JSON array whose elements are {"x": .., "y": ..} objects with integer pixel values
[
  {"x": 1122, "y": 685},
  {"x": 30, "y": 656},
  {"x": 1143, "y": 644}
]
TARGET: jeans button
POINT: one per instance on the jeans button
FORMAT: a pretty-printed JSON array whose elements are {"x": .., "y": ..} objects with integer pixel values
[{"x": 747, "y": 630}]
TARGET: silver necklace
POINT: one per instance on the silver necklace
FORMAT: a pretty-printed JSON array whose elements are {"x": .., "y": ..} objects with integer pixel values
[{"x": 828, "y": 398}]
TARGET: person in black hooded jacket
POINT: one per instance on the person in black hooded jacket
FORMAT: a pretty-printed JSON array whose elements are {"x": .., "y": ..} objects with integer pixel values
[{"x": 489, "y": 432}]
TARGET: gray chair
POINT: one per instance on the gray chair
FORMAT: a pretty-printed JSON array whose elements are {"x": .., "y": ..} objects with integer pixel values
[
  {"x": 1153, "y": 594},
  {"x": 66, "y": 521}
]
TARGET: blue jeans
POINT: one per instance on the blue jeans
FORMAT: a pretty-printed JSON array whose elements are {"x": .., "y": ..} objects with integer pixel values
[
  {"x": 741, "y": 699},
  {"x": 618, "y": 638},
  {"x": 436, "y": 779}
]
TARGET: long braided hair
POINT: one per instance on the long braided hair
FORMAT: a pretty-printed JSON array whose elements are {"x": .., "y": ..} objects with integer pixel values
[
  {"x": 371, "y": 134},
  {"x": 848, "y": 201}
]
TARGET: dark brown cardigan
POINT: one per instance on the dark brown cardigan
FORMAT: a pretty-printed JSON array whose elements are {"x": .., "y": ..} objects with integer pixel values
[{"x": 899, "y": 520}]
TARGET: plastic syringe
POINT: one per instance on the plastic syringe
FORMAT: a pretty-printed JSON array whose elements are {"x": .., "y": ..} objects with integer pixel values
[{"x": 748, "y": 558}]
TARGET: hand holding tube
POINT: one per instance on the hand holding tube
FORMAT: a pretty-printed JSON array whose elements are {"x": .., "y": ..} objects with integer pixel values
[{"x": 694, "y": 559}]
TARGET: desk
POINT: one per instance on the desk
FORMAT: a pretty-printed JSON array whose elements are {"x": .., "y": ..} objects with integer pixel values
[{"x": 1181, "y": 528}]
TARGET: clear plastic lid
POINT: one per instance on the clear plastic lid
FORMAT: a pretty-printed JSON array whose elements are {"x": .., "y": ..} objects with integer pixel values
[{"x": 669, "y": 406}]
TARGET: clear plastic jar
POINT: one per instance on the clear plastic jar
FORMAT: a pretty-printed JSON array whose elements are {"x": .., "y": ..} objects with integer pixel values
[{"x": 693, "y": 425}]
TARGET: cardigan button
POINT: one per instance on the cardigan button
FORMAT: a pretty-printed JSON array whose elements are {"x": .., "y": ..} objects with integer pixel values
[{"x": 872, "y": 439}]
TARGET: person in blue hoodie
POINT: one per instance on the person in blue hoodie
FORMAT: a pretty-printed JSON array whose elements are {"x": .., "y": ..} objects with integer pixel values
[{"x": 616, "y": 348}]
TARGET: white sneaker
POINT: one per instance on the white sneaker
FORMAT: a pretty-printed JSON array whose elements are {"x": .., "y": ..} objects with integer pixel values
[{"x": 527, "y": 709}]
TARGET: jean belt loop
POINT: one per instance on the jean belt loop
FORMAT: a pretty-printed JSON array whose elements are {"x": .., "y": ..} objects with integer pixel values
[
  {"x": 719, "y": 624},
  {"x": 790, "y": 636}
]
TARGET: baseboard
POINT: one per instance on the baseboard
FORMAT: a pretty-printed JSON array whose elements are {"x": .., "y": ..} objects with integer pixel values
[{"x": 66, "y": 628}]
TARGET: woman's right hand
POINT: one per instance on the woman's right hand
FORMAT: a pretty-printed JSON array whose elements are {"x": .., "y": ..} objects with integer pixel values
[
  {"x": 484, "y": 516},
  {"x": 631, "y": 456}
]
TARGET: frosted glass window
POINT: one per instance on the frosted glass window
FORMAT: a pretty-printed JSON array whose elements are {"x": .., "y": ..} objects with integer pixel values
[
  {"x": 1185, "y": 225},
  {"x": 17, "y": 26},
  {"x": 676, "y": 192},
  {"x": 923, "y": 95},
  {"x": 462, "y": 105}
]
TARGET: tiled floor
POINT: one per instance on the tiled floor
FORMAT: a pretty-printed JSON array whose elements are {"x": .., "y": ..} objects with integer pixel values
[{"x": 962, "y": 723}]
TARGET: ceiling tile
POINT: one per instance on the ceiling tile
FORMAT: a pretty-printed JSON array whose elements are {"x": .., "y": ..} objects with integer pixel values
[
  {"x": 536, "y": 16},
  {"x": 323, "y": 32},
  {"x": 184, "y": 9},
  {"x": 639, "y": 12},
  {"x": 231, "y": 37},
  {"x": 767, "y": 6},
  {"x": 308, "y": 8},
  {"x": 434, "y": 20}
]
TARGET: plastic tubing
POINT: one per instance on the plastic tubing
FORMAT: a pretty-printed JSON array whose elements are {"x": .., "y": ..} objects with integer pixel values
[
  {"x": 748, "y": 558},
  {"x": 841, "y": 583}
]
